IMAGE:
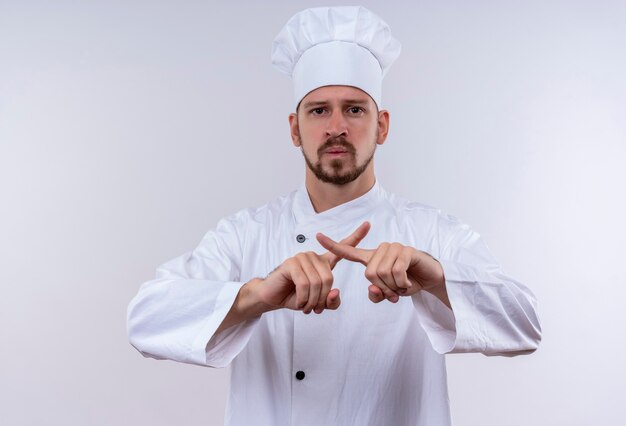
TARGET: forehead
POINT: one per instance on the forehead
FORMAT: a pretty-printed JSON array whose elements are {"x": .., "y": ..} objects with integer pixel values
[{"x": 332, "y": 94}]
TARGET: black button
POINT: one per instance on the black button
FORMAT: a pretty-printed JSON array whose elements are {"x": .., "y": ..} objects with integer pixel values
[
  {"x": 300, "y": 238},
  {"x": 300, "y": 375}
]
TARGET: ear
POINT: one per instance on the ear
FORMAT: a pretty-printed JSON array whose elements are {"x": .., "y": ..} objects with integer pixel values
[
  {"x": 383, "y": 126},
  {"x": 295, "y": 129}
]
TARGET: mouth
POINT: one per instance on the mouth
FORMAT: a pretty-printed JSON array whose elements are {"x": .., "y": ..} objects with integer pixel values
[
  {"x": 330, "y": 154},
  {"x": 336, "y": 151}
]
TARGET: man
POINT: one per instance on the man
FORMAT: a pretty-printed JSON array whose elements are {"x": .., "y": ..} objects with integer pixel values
[{"x": 338, "y": 246}]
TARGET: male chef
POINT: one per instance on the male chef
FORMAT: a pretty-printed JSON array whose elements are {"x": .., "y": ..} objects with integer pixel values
[{"x": 335, "y": 304}]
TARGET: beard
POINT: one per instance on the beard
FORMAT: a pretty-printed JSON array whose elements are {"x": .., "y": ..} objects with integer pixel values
[{"x": 343, "y": 170}]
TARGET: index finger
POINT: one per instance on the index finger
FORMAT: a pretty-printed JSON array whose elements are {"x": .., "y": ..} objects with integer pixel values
[
  {"x": 352, "y": 240},
  {"x": 344, "y": 251},
  {"x": 355, "y": 238}
]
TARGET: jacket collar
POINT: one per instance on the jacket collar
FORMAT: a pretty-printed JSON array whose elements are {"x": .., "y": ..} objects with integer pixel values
[{"x": 305, "y": 214}]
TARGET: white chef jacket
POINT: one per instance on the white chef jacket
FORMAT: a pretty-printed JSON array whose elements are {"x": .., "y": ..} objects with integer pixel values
[{"x": 363, "y": 364}]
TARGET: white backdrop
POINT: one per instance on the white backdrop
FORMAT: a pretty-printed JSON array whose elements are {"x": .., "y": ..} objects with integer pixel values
[{"x": 127, "y": 129}]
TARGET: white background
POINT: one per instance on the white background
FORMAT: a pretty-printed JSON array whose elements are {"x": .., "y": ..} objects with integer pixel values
[{"x": 127, "y": 129}]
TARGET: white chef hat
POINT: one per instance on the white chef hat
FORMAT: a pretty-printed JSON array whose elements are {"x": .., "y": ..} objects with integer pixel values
[{"x": 347, "y": 45}]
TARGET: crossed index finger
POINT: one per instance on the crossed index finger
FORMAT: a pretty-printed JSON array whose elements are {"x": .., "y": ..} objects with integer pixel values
[
  {"x": 350, "y": 241},
  {"x": 343, "y": 250}
]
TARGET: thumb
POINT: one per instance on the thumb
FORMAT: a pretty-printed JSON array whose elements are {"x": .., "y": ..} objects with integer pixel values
[
  {"x": 333, "y": 300},
  {"x": 375, "y": 294}
]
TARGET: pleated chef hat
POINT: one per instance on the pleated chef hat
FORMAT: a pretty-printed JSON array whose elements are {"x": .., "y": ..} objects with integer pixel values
[{"x": 347, "y": 45}]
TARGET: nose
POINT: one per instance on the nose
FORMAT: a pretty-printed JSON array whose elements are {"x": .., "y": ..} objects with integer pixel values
[{"x": 336, "y": 125}]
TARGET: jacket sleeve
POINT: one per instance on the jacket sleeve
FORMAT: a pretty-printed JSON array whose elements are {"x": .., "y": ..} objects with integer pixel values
[
  {"x": 175, "y": 315},
  {"x": 491, "y": 312}
]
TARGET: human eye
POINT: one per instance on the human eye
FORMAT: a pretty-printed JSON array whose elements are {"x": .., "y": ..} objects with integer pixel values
[
  {"x": 356, "y": 110},
  {"x": 317, "y": 111}
]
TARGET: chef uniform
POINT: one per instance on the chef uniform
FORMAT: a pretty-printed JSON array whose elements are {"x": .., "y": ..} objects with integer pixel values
[{"x": 364, "y": 363}]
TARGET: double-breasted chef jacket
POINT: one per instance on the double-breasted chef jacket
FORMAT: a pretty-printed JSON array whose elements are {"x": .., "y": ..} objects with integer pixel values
[{"x": 362, "y": 364}]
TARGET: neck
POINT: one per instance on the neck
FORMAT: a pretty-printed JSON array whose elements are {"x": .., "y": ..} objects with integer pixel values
[{"x": 325, "y": 196}]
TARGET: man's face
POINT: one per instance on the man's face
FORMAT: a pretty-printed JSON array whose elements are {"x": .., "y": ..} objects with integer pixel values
[{"x": 337, "y": 129}]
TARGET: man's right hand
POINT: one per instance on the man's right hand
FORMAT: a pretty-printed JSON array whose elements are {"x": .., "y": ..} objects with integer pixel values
[{"x": 304, "y": 281}]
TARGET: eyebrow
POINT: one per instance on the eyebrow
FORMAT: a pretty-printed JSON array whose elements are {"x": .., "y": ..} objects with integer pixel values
[{"x": 310, "y": 104}]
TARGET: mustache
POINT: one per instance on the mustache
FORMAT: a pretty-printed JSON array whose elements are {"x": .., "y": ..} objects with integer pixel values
[{"x": 336, "y": 141}]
